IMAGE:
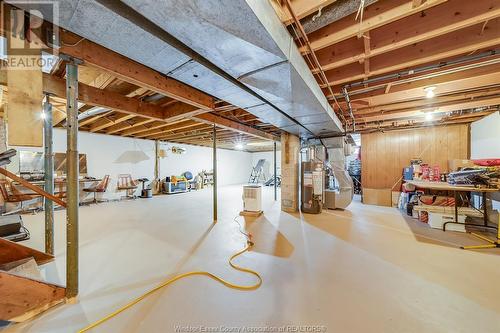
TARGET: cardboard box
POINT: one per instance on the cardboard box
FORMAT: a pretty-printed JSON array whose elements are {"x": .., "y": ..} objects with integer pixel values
[
  {"x": 395, "y": 198},
  {"x": 454, "y": 165},
  {"x": 379, "y": 197},
  {"x": 436, "y": 221}
]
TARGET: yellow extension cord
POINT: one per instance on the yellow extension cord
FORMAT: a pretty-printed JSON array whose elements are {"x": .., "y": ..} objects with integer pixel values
[{"x": 181, "y": 276}]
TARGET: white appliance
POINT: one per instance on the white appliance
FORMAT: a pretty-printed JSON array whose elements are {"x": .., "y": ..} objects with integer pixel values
[{"x": 252, "y": 198}]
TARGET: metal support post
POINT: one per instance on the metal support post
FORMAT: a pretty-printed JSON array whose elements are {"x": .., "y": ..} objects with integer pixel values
[
  {"x": 49, "y": 175},
  {"x": 72, "y": 179},
  {"x": 275, "y": 182},
  {"x": 214, "y": 137}
]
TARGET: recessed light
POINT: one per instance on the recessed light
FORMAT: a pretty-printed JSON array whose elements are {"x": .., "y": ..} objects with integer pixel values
[
  {"x": 429, "y": 91},
  {"x": 429, "y": 116},
  {"x": 239, "y": 146}
]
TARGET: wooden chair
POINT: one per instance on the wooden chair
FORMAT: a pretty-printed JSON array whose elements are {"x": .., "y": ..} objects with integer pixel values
[
  {"x": 99, "y": 188},
  {"x": 11, "y": 194},
  {"x": 127, "y": 184}
]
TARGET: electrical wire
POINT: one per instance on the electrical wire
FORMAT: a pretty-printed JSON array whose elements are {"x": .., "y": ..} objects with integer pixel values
[
  {"x": 228, "y": 284},
  {"x": 72, "y": 45}
]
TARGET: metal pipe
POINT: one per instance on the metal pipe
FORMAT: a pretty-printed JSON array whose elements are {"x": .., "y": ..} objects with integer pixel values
[
  {"x": 72, "y": 180},
  {"x": 136, "y": 18},
  {"x": 348, "y": 100},
  {"x": 421, "y": 69},
  {"x": 275, "y": 185},
  {"x": 157, "y": 161},
  {"x": 49, "y": 175},
  {"x": 214, "y": 160},
  {"x": 157, "y": 181}
]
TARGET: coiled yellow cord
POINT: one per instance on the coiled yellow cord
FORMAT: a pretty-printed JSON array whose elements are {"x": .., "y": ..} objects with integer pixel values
[{"x": 181, "y": 276}]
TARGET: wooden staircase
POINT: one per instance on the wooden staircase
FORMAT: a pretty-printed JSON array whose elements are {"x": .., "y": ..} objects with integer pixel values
[{"x": 22, "y": 298}]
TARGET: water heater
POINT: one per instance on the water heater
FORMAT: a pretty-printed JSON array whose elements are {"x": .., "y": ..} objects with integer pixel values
[{"x": 312, "y": 178}]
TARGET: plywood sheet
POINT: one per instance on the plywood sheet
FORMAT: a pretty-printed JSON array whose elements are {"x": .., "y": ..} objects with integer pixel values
[
  {"x": 384, "y": 155},
  {"x": 22, "y": 298},
  {"x": 379, "y": 197},
  {"x": 24, "y": 107},
  {"x": 10, "y": 251}
]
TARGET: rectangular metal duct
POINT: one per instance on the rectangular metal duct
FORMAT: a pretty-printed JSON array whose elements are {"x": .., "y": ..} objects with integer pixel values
[{"x": 244, "y": 38}]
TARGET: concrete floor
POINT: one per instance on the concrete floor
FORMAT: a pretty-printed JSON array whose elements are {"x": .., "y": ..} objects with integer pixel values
[{"x": 365, "y": 269}]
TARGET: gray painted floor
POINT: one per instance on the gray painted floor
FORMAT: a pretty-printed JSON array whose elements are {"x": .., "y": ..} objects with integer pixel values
[{"x": 365, "y": 269}]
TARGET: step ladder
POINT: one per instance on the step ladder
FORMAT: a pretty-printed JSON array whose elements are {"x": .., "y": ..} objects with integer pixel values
[{"x": 257, "y": 173}]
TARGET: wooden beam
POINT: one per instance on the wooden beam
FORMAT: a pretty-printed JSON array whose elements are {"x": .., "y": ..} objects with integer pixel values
[
  {"x": 449, "y": 17},
  {"x": 131, "y": 71},
  {"x": 447, "y": 83},
  {"x": 210, "y": 118},
  {"x": 114, "y": 101},
  {"x": 131, "y": 106},
  {"x": 417, "y": 3},
  {"x": 434, "y": 50},
  {"x": 155, "y": 126},
  {"x": 376, "y": 15},
  {"x": 426, "y": 103},
  {"x": 201, "y": 129},
  {"x": 135, "y": 107},
  {"x": 416, "y": 123},
  {"x": 128, "y": 125},
  {"x": 167, "y": 130},
  {"x": 442, "y": 107},
  {"x": 91, "y": 119},
  {"x": 179, "y": 110},
  {"x": 58, "y": 116},
  {"x": 103, "y": 98},
  {"x": 107, "y": 122},
  {"x": 367, "y": 47},
  {"x": 303, "y": 8},
  {"x": 142, "y": 128}
]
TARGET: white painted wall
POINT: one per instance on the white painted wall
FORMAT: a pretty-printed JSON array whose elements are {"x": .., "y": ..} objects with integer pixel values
[
  {"x": 485, "y": 137},
  {"x": 112, "y": 155},
  {"x": 233, "y": 167},
  {"x": 268, "y": 166},
  {"x": 485, "y": 142}
]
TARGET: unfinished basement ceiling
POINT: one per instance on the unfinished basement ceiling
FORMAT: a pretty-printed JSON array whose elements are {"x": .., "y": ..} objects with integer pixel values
[
  {"x": 244, "y": 38},
  {"x": 387, "y": 57}
]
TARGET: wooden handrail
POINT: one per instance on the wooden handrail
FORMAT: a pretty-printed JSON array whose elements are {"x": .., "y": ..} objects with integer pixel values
[{"x": 32, "y": 187}]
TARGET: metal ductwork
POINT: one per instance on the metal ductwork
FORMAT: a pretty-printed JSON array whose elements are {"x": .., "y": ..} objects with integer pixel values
[
  {"x": 91, "y": 112},
  {"x": 235, "y": 50}
]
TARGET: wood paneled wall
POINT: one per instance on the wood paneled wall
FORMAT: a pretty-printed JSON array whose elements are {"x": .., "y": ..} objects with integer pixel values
[{"x": 384, "y": 155}]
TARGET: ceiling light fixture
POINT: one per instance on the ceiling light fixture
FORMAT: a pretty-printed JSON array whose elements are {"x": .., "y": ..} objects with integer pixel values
[
  {"x": 429, "y": 116},
  {"x": 260, "y": 143},
  {"x": 429, "y": 91},
  {"x": 239, "y": 146}
]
